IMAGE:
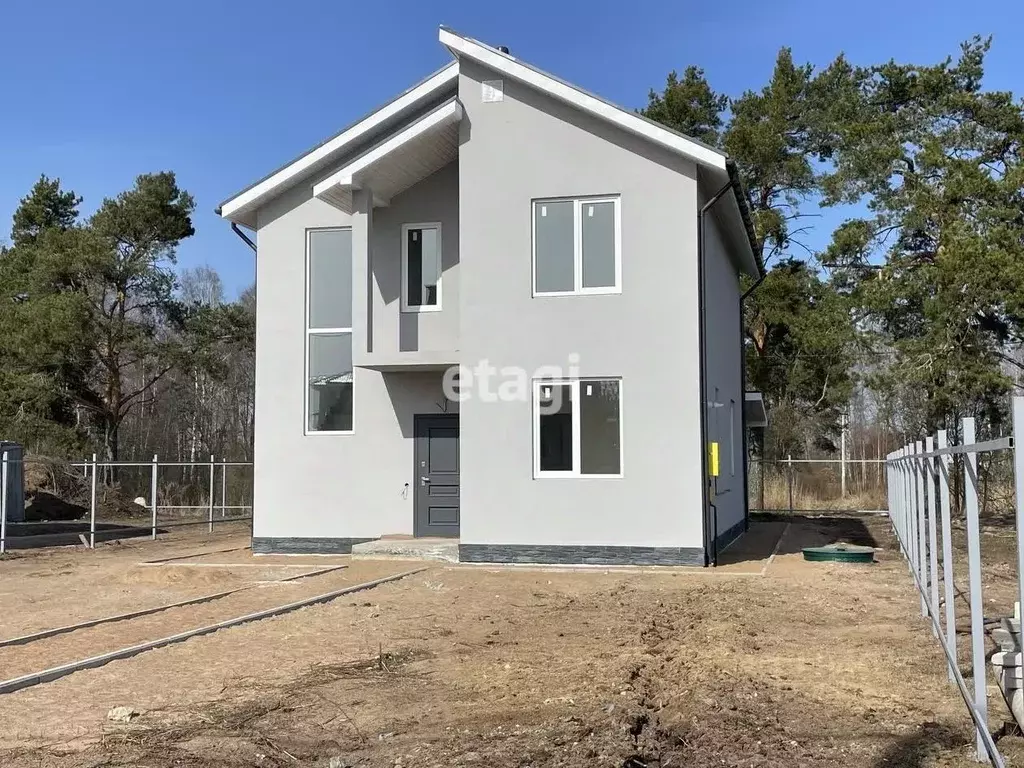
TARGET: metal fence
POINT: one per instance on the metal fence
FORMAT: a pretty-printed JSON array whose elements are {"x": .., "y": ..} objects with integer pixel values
[
  {"x": 816, "y": 485},
  {"x": 920, "y": 478},
  {"x": 174, "y": 495}
]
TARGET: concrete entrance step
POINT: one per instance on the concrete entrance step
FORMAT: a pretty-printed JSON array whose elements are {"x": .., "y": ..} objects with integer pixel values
[{"x": 408, "y": 549}]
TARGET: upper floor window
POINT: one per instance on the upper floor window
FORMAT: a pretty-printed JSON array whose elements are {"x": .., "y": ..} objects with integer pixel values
[
  {"x": 421, "y": 267},
  {"x": 577, "y": 246},
  {"x": 329, "y": 331}
]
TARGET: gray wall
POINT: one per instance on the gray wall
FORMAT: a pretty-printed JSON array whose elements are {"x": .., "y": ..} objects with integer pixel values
[
  {"x": 435, "y": 199},
  {"x": 324, "y": 485},
  {"x": 529, "y": 146},
  {"x": 725, "y": 386}
]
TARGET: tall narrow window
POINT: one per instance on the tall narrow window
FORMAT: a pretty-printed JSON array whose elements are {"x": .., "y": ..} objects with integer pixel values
[
  {"x": 576, "y": 246},
  {"x": 329, "y": 331},
  {"x": 578, "y": 428},
  {"x": 421, "y": 267}
]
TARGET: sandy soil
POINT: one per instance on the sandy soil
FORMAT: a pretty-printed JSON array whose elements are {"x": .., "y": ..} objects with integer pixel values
[{"x": 760, "y": 663}]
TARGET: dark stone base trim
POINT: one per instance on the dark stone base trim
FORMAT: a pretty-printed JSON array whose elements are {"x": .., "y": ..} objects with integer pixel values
[
  {"x": 579, "y": 555},
  {"x": 729, "y": 536},
  {"x": 272, "y": 545}
]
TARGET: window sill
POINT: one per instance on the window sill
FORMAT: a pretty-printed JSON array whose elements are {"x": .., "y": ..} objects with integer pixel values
[
  {"x": 573, "y": 476},
  {"x": 418, "y": 310},
  {"x": 328, "y": 432},
  {"x": 581, "y": 292}
]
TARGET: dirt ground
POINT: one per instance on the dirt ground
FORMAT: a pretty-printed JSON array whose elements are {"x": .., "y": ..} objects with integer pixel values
[{"x": 766, "y": 661}]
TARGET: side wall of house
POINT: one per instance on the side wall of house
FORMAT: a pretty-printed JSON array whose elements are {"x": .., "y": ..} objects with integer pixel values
[
  {"x": 529, "y": 146},
  {"x": 320, "y": 492},
  {"x": 725, "y": 380}
]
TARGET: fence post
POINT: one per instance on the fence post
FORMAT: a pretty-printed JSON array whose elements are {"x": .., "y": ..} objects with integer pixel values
[
  {"x": 152, "y": 491},
  {"x": 922, "y": 532},
  {"x": 933, "y": 534},
  {"x": 223, "y": 487},
  {"x": 1018, "y": 483},
  {"x": 789, "y": 471},
  {"x": 92, "y": 507},
  {"x": 843, "y": 421},
  {"x": 912, "y": 511},
  {"x": 901, "y": 479},
  {"x": 974, "y": 574},
  {"x": 897, "y": 495},
  {"x": 211, "y": 492},
  {"x": 3, "y": 502},
  {"x": 943, "y": 464},
  {"x": 893, "y": 480},
  {"x": 908, "y": 509}
]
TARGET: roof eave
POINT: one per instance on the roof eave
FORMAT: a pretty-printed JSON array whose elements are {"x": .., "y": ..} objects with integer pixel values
[
  {"x": 240, "y": 206},
  {"x": 740, "y": 195},
  {"x": 460, "y": 45}
]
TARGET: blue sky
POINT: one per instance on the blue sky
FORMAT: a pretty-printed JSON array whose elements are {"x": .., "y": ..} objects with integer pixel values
[{"x": 222, "y": 92}]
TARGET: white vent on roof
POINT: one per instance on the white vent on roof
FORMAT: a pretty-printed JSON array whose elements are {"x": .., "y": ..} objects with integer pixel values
[{"x": 491, "y": 91}]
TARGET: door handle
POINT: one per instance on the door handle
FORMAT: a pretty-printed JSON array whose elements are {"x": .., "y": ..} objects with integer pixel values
[{"x": 425, "y": 481}]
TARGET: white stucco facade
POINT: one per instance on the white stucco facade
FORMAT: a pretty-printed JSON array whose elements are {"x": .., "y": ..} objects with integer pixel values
[{"x": 322, "y": 492}]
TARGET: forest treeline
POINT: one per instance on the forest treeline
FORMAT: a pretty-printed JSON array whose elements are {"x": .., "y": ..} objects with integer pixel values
[
  {"x": 912, "y": 315},
  {"x": 105, "y": 346},
  {"x": 909, "y": 318}
]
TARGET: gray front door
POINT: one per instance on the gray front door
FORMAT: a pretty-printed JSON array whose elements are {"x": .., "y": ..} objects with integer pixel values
[{"x": 436, "y": 478}]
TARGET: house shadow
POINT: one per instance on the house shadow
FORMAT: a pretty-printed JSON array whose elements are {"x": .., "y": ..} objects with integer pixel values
[
  {"x": 819, "y": 530},
  {"x": 787, "y": 534}
]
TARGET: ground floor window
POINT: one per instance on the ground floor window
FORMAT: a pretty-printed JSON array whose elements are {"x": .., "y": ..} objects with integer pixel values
[{"x": 577, "y": 428}]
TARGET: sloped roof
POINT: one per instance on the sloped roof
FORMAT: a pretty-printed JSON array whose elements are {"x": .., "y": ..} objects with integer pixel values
[
  {"x": 713, "y": 162},
  {"x": 368, "y": 131},
  {"x": 241, "y": 206}
]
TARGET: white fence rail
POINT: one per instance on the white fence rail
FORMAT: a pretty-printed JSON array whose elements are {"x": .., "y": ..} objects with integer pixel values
[
  {"x": 920, "y": 476},
  {"x": 91, "y": 472}
]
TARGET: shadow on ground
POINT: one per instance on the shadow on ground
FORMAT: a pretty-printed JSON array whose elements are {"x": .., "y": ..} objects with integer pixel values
[
  {"x": 768, "y": 535},
  {"x": 920, "y": 747},
  {"x": 820, "y": 530},
  {"x": 56, "y": 534}
]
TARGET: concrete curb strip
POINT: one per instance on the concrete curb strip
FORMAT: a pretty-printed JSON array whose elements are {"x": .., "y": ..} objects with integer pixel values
[
  {"x": 47, "y": 675},
  {"x": 22, "y": 640}
]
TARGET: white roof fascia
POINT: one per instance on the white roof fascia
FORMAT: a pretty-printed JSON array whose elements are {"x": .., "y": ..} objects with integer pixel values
[
  {"x": 545, "y": 83},
  {"x": 450, "y": 111},
  {"x": 290, "y": 172}
]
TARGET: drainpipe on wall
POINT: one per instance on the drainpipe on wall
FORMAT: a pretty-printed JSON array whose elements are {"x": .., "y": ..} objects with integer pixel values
[{"x": 248, "y": 241}]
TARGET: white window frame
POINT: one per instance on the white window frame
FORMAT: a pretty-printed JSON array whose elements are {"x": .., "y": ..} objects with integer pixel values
[
  {"x": 574, "y": 384},
  {"x": 310, "y": 332},
  {"x": 406, "y": 307},
  {"x": 577, "y": 238}
]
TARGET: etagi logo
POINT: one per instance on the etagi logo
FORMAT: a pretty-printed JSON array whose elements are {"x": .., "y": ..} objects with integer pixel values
[{"x": 488, "y": 384}]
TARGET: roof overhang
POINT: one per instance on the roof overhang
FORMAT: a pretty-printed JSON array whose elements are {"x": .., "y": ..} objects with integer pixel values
[
  {"x": 713, "y": 162},
  {"x": 395, "y": 164},
  {"x": 242, "y": 206},
  {"x": 754, "y": 412}
]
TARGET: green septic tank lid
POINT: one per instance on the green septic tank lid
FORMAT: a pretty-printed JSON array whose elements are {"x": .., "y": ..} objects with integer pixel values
[{"x": 840, "y": 553}]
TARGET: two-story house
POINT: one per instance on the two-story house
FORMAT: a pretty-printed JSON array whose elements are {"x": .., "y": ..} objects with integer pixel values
[{"x": 492, "y": 309}]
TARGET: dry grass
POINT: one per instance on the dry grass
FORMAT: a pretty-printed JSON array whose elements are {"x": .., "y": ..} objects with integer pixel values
[{"x": 817, "y": 494}]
